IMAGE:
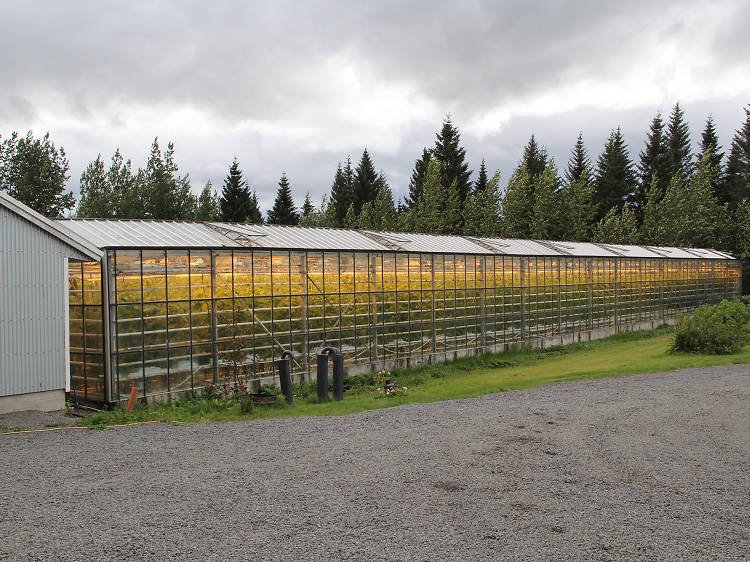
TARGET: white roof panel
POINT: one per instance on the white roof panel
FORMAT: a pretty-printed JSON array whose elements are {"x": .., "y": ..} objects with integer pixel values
[
  {"x": 710, "y": 254},
  {"x": 671, "y": 252},
  {"x": 629, "y": 251},
  {"x": 582, "y": 249},
  {"x": 148, "y": 234},
  {"x": 297, "y": 237},
  {"x": 514, "y": 247},
  {"x": 428, "y": 243}
]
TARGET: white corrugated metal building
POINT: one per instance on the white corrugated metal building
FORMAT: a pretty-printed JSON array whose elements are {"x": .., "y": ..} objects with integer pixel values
[{"x": 34, "y": 260}]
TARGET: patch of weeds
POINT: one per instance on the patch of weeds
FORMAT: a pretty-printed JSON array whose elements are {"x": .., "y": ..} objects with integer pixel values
[{"x": 10, "y": 428}]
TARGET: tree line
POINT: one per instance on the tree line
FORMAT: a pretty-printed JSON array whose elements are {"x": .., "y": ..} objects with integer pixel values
[{"x": 666, "y": 196}]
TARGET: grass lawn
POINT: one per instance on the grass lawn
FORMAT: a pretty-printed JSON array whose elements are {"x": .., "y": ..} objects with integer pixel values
[{"x": 623, "y": 354}]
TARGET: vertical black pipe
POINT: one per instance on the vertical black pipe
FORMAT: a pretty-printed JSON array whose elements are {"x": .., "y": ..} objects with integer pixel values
[
  {"x": 322, "y": 377},
  {"x": 285, "y": 379},
  {"x": 338, "y": 376}
]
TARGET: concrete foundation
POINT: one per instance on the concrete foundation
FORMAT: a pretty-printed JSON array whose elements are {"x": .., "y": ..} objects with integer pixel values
[{"x": 44, "y": 401}]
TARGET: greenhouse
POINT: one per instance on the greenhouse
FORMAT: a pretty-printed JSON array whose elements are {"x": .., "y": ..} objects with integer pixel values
[{"x": 177, "y": 305}]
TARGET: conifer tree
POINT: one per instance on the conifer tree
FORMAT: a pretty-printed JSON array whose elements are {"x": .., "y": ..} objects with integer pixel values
[
  {"x": 254, "y": 216},
  {"x": 284, "y": 211},
  {"x": 307, "y": 207},
  {"x": 97, "y": 197},
  {"x": 617, "y": 227},
  {"x": 208, "y": 205},
  {"x": 417, "y": 179},
  {"x": 689, "y": 214},
  {"x": 430, "y": 212},
  {"x": 366, "y": 182},
  {"x": 235, "y": 202},
  {"x": 654, "y": 159},
  {"x": 350, "y": 219},
  {"x": 516, "y": 209},
  {"x": 34, "y": 171},
  {"x": 545, "y": 215},
  {"x": 166, "y": 195},
  {"x": 452, "y": 158},
  {"x": 579, "y": 162},
  {"x": 322, "y": 216},
  {"x": 615, "y": 180},
  {"x": 741, "y": 242},
  {"x": 534, "y": 157},
  {"x": 126, "y": 191},
  {"x": 736, "y": 185},
  {"x": 651, "y": 231},
  {"x": 385, "y": 210},
  {"x": 678, "y": 145},
  {"x": 578, "y": 209},
  {"x": 482, "y": 179},
  {"x": 710, "y": 143},
  {"x": 482, "y": 210},
  {"x": 342, "y": 191}
]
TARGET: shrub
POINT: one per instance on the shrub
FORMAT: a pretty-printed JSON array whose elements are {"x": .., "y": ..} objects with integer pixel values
[{"x": 718, "y": 329}]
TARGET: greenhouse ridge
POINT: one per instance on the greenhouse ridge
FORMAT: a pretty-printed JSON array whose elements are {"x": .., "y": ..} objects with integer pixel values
[{"x": 180, "y": 305}]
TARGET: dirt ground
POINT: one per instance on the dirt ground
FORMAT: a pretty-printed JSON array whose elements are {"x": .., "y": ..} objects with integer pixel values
[{"x": 641, "y": 467}]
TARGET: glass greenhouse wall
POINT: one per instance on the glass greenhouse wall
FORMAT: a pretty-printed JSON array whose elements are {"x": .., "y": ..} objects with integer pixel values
[{"x": 180, "y": 319}]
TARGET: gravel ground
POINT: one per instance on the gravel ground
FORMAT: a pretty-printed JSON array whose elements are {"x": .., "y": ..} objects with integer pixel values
[{"x": 648, "y": 466}]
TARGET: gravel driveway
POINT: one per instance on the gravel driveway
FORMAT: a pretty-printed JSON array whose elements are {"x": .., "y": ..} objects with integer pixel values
[{"x": 647, "y": 466}]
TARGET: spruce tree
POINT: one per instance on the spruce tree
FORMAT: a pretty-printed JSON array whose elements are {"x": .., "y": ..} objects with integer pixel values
[
  {"x": 342, "y": 191},
  {"x": 430, "y": 212},
  {"x": 166, "y": 195},
  {"x": 235, "y": 203},
  {"x": 578, "y": 210},
  {"x": 545, "y": 215},
  {"x": 579, "y": 162},
  {"x": 34, "y": 171},
  {"x": 710, "y": 143},
  {"x": 452, "y": 158},
  {"x": 284, "y": 211},
  {"x": 654, "y": 159},
  {"x": 617, "y": 227},
  {"x": 615, "y": 179},
  {"x": 126, "y": 191},
  {"x": 534, "y": 157},
  {"x": 417, "y": 179},
  {"x": 736, "y": 185},
  {"x": 741, "y": 243},
  {"x": 97, "y": 198},
  {"x": 678, "y": 145},
  {"x": 517, "y": 205},
  {"x": 208, "y": 205},
  {"x": 482, "y": 179},
  {"x": 307, "y": 207},
  {"x": 254, "y": 216},
  {"x": 689, "y": 214},
  {"x": 366, "y": 182},
  {"x": 482, "y": 210}
]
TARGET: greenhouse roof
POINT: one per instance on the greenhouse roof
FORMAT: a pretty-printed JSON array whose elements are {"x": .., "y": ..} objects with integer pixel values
[{"x": 103, "y": 233}]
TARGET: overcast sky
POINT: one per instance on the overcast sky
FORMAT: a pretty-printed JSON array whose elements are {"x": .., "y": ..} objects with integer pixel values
[{"x": 297, "y": 86}]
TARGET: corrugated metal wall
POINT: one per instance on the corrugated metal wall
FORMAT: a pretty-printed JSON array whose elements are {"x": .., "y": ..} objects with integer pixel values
[{"x": 33, "y": 315}]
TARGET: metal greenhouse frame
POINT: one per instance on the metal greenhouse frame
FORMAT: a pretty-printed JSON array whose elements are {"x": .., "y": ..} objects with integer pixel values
[{"x": 182, "y": 305}]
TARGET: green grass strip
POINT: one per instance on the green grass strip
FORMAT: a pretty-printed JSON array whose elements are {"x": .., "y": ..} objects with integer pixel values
[{"x": 622, "y": 354}]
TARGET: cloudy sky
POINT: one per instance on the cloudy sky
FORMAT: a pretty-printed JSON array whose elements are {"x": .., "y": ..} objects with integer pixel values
[{"x": 297, "y": 86}]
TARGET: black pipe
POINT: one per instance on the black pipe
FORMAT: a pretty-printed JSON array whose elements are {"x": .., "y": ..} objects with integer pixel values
[
  {"x": 322, "y": 377},
  {"x": 285, "y": 378},
  {"x": 338, "y": 376}
]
